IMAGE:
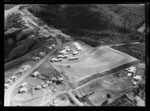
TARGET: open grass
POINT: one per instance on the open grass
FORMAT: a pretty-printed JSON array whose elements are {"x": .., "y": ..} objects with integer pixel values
[{"x": 96, "y": 61}]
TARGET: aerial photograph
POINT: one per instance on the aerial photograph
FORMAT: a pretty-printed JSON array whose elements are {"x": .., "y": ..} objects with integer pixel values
[{"x": 74, "y": 55}]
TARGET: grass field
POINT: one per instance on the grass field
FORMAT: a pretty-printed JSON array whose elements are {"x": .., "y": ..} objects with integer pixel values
[
  {"x": 96, "y": 61},
  {"x": 103, "y": 86}
]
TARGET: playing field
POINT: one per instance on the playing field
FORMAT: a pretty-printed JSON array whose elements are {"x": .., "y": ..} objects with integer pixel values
[{"x": 96, "y": 60}]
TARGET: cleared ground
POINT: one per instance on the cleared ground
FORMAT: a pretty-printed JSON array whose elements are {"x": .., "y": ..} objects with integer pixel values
[
  {"x": 98, "y": 89},
  {"x": 95, "y": 60}
]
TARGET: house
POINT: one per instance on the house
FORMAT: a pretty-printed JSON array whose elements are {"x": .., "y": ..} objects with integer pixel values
[
  {"x": 137, "y": 78},
  {"x": 50, "y": 47},
  {"x": 7, "y": 85},
  {"x": 13, "y": 78},
  {"x": 129, "y": 74},
  {"x": 20, "y": 72},
  {"x": 53, "y": 45},
  {"x": 42, "y": 53},
  {"x": 24, "y": 84},
  {"x": 54, "y": 79},
  {"x": 9, "y": 81},
  {"x": 23, "y": 90},
  {"x": 48, "y": 82},
  {"x": 131, "y": 69},
  {"x": 77, "y": 46},
  {"x": 35, "y": 74},
  {"x": 60, "y": 56},
  {"x": 45, "y": 85},
  {"x": 73, "y": 58},
  {"x": 36, "y": 58},
  {"x": 75, "y": 52},
  {"x": 25, "y": 68},
  {"x": 60, "y": 79},
  {"x": 38, "y": 87}
]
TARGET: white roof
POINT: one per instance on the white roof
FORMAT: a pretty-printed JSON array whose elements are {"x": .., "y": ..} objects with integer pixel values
[
  {"x": 13, "y": 77},
  {"x": 23, "y": 89},
  {"x": 36, "y": 72},
  {"x": 131, "y": 69},
  {"x": 134, "y": 83},
  {"x": 53, "y": 59},
  {"x": 39, "y": 86},
  {"x": 42, "y": 52},
  {"x": 137, "y": 77},
  {"x": 24, "y": 84},
  {"x": 26, "y": 66},
  {"x": 129, "y": 74},
  {"x": 77, "y": 45},
  {"x": 9, "y": 80},
  {"x": 45, "y": 85},
  {"x": 7, "y": 85}
]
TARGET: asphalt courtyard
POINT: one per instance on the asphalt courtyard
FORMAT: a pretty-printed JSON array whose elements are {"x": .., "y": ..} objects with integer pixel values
[{"x": 99, "y": 59}]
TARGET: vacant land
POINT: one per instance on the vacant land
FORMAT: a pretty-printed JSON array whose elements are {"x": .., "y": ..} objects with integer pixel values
[
  {"x": 97, "y": 90},
  {"x": 98, "y": 60}
]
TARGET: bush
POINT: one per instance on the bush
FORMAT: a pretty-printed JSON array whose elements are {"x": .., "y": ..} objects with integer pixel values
[{"x": 85, "y": 17}]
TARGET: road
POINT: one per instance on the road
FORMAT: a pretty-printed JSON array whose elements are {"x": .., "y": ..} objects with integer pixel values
[
  {"x": 123, "y": 44},
  {"x": 63, "y": 92},
  {"x": 7, "y": 96}
]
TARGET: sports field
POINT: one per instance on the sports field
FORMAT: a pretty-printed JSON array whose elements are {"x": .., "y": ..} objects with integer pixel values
[{"x": 95, "y": 61}]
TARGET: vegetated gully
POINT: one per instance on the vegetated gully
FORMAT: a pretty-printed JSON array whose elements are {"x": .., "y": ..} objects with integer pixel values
[{"x": 7, "y": 95}]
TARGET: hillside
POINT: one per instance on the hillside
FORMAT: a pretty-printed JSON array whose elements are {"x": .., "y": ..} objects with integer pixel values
[
  {"x": 24, "y": 32},
  {"x": 94, "y": 24}
]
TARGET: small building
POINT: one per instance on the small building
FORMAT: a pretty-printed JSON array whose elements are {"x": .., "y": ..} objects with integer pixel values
[
  {"x": 75, "y": 52},
  {"x": 73, "y": 58},
  {"x": 62, "y": 52},
  {"x": 7, "y": 86},
  {"x": 35, "y": 74},
  {"x": 36, "y": 58},
  {"x": 60, "y": 79},
  {"x": 77, "y": 46},
  {"x": 23, "y": 90},
  {"x": 129, "y": 74},
  {"x": 53, "y": 45},
  {"x": 13, "y": 78},
  {"x": 137, "y": 78},
  {"x": 42, "y": 53},
  {"x": 25, "y": 68},
  {"x": 48, "y": 82},
  {"x": 45, "y": 85},
  {"x": 54, "y": 79},
  {"x": 38, "y": 87},
  {"x": 9, "y": 81},
  {"x": 20, "y": 71},
  {"x": 24, "y": 84},
  {"x": 131, "y": 69},
  {"x": 60, "y": 56},
  {"x": 50, "y": 47}
]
